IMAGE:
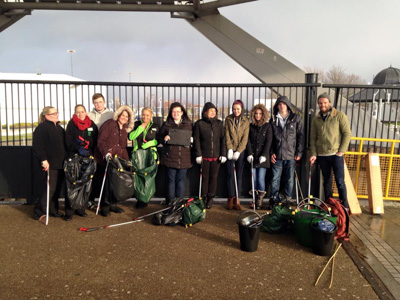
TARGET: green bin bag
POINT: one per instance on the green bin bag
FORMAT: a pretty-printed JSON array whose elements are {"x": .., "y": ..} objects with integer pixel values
[
  {"x": 145, "y": 164},
  {"x": 193, "y": 212}
]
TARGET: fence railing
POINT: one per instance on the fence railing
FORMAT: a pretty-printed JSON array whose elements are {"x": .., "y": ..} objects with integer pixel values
[{"x": 22, "y": 101}]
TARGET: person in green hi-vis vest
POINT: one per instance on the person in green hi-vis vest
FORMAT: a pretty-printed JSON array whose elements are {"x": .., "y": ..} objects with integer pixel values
[{"x": 144, "y": 137}]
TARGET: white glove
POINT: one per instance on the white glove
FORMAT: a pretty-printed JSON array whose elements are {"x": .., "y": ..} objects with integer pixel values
[
  {"x": 222, "y": 159},
  {"x": 236, "y": 155},
  {"x": 230, "y": 154},
  {"x": 199, "y": 159},
  {"x": 262, "y": 159},
  {"x": 250, "y": 158},
  {"x": 191, "y": 140},
  {"x": 108, "y": 156}
]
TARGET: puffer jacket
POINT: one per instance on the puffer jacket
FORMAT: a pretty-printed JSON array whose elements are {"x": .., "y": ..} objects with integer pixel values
[
  {"x": 289, "y": 141},
  {"x": 175, "y": 156},
  {"x": 236, "y": 135},
  {"x": 330, "y": 136},
  {"x": 209, "y": 135},
  {"x": 112, "y": 139}
]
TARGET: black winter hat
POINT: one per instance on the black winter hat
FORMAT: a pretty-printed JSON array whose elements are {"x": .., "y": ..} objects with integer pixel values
[
  {"x": 324, "y": 95},
  {"x": 206, "y": 107}
]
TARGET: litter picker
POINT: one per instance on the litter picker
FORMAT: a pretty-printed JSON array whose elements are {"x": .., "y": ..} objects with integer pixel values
[
  {"x": 201, "y": 179},
  {"x": 252, "y": 186},
  {"x": 102, "y": 187},
  {"x": 48, "y": 199},
  {"x": 236, "y": 185},
  {"x": 137, "y": 219}
]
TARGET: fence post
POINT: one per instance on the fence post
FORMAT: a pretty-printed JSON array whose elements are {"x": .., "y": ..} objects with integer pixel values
[{"x": 309, "y": 114}]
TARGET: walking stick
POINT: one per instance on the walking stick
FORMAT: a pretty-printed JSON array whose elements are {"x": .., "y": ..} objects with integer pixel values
[
  {"x": 48, "y": 196},
  {"x": 252, "y": 185},
  {"x": 102, "y": 187}
]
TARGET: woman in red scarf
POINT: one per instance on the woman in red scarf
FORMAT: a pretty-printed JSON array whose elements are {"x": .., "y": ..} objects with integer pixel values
[{"x": 80, "y": 137}]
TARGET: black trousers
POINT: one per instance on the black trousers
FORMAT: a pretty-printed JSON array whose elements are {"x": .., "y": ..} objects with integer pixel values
[
  {"x": 56, "y": 185},
  {"x": 210, "y": 178}
]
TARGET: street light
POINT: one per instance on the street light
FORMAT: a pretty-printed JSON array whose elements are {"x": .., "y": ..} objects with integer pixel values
[{"x": 72, "y": 68}]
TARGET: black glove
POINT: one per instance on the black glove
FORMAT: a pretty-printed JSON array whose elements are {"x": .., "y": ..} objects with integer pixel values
[{"x": 83, "y": 152}]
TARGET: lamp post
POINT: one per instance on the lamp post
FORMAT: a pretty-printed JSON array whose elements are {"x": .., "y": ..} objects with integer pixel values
[{"x": 72, "y": 67}]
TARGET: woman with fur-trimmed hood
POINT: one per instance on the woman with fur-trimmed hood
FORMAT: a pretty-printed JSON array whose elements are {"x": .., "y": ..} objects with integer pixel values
[
  {"x": 113, "y": 140},
  {"x": 258, "y": 147}
]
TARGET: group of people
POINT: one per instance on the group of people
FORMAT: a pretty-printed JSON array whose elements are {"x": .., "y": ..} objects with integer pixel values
[{"x": 275, "y": 142}]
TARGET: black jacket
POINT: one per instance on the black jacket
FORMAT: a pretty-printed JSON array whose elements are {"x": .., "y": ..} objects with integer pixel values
[
  {"x": 48, "y": 144},
  {"x": 259, "y": 144},
  {"x": 289, "y": 141},
  {"x": 174, "y": 156},
  {"x": 209, "y": 136},
  {"x": 75, "y": 138}
]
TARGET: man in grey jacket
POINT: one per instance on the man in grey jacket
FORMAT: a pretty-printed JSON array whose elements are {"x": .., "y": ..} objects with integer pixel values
[
  {"x": 287, "y": 146},
  {"x": 100, "y": 113}
]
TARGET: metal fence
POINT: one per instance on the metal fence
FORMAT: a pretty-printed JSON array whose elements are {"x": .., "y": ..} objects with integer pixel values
[
  {"x": 374, "y": 112},
  {"x": 22, "y": 101}
]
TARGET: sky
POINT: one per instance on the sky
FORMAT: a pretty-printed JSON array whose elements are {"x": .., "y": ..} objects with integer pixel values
[{"x": 359, "y": 35}]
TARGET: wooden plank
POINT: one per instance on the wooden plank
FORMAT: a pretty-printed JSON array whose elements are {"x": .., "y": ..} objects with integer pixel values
[
  {"x": 352, "y": 199},
  {"x": 374, "y": 184}
]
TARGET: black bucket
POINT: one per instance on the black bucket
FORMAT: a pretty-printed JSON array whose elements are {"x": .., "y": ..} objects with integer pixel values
[
  {"x": 322, "y": 241},
  {"x": 249, "y": 231}
]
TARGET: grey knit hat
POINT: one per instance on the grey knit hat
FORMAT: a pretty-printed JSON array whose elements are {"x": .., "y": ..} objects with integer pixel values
[{"x": 324, "y": 95}]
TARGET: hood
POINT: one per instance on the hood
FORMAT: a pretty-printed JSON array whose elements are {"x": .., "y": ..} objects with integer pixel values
[
  {"x": 131, "y": 120},
  {"x": 285, "y": 100},
  {"x": 265, "y": 117},
  {"x": 206, "y": 107}
]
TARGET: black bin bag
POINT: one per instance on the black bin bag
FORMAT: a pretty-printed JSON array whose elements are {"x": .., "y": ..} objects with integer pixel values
[
  {"x": 79, "y": 172},
  {"x": 121, "y": 178}
]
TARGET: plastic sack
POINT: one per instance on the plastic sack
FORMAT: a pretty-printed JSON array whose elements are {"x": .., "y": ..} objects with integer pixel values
[
  {"x": 121, "y": 178},
  {"x": 194, "y": 211},
  {"x": 279, "y": 220},
  {"x": 79, "y": 172},
  {"x": 145, "y": 164},
  {"x": 172, "y": 216}
]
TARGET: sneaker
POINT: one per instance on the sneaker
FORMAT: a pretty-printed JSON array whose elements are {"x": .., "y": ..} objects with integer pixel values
[
  {"x": 116, "y": 209},
  {"x": 67, "y": 218}
]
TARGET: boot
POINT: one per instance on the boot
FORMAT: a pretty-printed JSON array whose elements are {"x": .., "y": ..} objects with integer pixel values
[
  {"x": 229, "y": 204},
  {"x": 236, "y": 204},
  {"x": 255, "y": 197},
  {"x": 259, "y": 200},
  {"x": 210, "y": 201}
]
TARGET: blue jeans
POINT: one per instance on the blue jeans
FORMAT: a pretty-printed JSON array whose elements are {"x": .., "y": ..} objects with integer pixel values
[
  {"x": 335, "y": 163},
  {"x": 229, "y": 174},
  {"x": 259, "y": 178},
  {"x": 287, "y": 167},
  {"x": 175, "y": 183}
]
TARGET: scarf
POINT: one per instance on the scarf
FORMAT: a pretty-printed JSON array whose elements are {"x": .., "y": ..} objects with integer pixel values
[{"x": 82, "y": 125}]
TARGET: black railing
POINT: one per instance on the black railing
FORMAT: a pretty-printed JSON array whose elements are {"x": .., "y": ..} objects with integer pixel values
[
  {"x": 22, "y": 101},
  {"x": 374, "y": 111}
]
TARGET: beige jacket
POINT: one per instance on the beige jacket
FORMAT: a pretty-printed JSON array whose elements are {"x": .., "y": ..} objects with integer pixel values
[{"x": 236, "y": 135}]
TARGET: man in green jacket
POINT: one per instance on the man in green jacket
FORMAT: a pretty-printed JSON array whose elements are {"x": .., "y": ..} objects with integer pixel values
[{"x": 330, "y": 138}]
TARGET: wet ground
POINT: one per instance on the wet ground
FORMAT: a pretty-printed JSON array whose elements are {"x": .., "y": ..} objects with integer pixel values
[{"x": 144, "y": 261}]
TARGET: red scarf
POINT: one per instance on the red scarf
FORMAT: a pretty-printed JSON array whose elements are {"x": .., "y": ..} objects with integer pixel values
[{"x": 82, "y": 125}]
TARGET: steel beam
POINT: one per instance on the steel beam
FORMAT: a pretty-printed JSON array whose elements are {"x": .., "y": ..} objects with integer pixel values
[{"x": 259, "y": 60}]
